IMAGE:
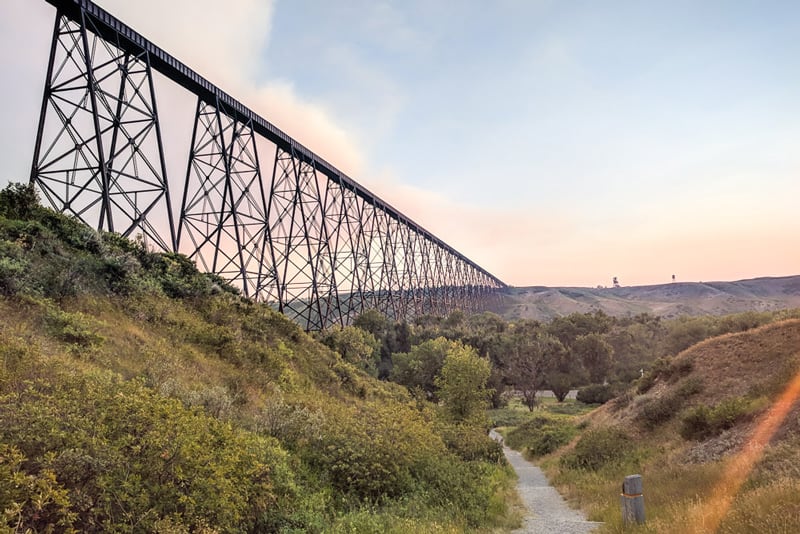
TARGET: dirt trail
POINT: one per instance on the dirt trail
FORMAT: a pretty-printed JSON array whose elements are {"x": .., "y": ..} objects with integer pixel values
[{"x": 548, "y": 513}]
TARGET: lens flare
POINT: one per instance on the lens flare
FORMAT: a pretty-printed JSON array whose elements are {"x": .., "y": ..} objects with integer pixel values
[{"x": 707, "y": 515}]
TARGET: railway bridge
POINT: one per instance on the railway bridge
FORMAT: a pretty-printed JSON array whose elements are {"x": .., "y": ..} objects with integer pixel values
[{"x": 254, "y": 205}]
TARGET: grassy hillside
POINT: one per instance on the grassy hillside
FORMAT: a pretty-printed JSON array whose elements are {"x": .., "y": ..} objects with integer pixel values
[
  {"x": 139, "y": 395},
  {"x": 715, "y": 432},
  {"x": 664, "y": 300}
]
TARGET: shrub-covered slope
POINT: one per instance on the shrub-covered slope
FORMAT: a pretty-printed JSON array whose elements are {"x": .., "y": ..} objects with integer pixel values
[
  {"x": 139, "y": 395},
  {"x": 715, "y": 431}
]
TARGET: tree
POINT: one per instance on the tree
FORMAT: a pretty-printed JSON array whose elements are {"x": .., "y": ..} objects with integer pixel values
[
  {"x": 568, "y": 328},
  {"x": 532, "y": 354},
  {"x": 18, "y": 201},
  {"x": 462, "y": 382},
  {"x": 419, "y": 367},
  {"x": 373, "y": 322},
  {"x": 566, "y": 372},
  {"x": 595, "y": 353},
  {"x": 355, "y": 345}
]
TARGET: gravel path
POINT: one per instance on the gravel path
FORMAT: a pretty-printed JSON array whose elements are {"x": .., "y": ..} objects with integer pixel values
[{"x": 548, "y": 513}]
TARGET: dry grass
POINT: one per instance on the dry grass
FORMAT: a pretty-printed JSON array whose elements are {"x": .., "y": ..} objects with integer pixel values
[{"x": 752, "y": 470}]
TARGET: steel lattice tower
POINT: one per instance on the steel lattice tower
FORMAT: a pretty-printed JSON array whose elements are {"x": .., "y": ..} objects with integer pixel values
[{"x": 297, "y": 234}]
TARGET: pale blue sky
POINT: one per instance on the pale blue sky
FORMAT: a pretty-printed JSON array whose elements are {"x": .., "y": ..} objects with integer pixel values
[{"x": 553, "y": 142}]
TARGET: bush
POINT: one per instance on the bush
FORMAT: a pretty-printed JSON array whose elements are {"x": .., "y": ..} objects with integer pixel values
[
  {"x": 703, "y": 422},
  {"x": 541, "y": 435},
  {"x": 508, "y": 417},
  {"x": 471, "y": 443},
  {"x": 665, "y": 369},
  {"x": 595, "y": 394},
  {"x": 374, "y": 451},
  {"x": 659, "y": 410},
  {"x": 75, "y": 328},
  {"x": 598, "y": 448},
  {"x": 18, "y": 201},
  {"x": 124, "y": 453}
]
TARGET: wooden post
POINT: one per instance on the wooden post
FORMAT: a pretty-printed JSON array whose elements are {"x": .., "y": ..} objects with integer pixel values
[{"x": 632, "y": 500}]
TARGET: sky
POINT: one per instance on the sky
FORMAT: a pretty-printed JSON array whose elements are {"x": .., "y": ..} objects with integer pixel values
[{"x": 553, "y": 142}]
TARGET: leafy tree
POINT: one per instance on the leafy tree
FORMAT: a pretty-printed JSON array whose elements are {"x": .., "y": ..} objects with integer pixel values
[
  {"x": 565, "y": 372},
  {"x": 596, "y": 355},
  {"x": 18, "y": 201},
  {"x": 355, "y": 345},
  {"x": 373, "y": 322},
  {"x": 419, "y": 367},
  {"x": 568, "y": 328},
  {"x": 532, "y": 354},
  {"x": 462, "y": 382},
  {"x": 392, "y": 337}
]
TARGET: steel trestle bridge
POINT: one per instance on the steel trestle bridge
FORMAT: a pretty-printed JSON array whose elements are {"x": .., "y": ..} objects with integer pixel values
[{"x": 289, "y": 229}]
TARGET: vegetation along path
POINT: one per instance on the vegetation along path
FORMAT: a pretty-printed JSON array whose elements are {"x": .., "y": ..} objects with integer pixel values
[{"x": 548, "y": 512}]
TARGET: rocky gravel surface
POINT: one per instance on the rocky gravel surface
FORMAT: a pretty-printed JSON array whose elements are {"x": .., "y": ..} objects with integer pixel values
[{"x": 548, "y": 513}]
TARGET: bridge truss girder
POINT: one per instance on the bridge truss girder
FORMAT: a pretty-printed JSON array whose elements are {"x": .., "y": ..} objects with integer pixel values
[
  {"x": 302, "y": 237},
  {"x": 98, "y": 153}
]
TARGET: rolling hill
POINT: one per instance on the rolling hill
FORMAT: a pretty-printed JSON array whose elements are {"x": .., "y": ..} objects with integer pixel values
[{"x": 666, "y": 300}]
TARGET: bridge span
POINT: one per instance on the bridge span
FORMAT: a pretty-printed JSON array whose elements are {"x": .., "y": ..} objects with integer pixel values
[{"x": 282, "y": 224}]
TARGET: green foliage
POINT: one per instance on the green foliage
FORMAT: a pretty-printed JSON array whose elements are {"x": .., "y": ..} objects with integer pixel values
[
  {"x": 508, "y": 417},
  {"x": 356, "y": 346},
  {"x": 598, "y": 448},
  {"x": 35, "y": 501},
  {"x": 702, "y": 422},
  {"x": 419, "y": 367},
  {"x": 462, "y": 382},
  {"x": 12, "y": 268},
  {"x": 541, "y": 435},
  {"x": 124, "y": 454},
  {"x": 595, "y": 394},
  {"x": 374, "y": 451},
  {"x": 668, "y": 369},
  {"x": 75, "y": 328},
  {"x": 596, "y": 355},
  {"x": 659, "y": 410},
  {"x": 532, "y": 354},
  {"x": 18, "y": 201},
  {"x": 470, "y": 442}
]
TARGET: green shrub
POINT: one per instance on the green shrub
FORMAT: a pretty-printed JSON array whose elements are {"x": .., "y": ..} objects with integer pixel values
[
  {"x": 374, "y": 451},
  {"x": 11, "y": 272},
  {"x": 18, "y": 201},
  {"x": 595, "y": 394},
  {"x": 659, "y": 410},
  {"x": 703, "y": 422},
  {"x": 75, "y": 328},
  {"x": 508, "y": 417},
  {"x": 35, "y": 501},
  {"x": 599, "y": 448},
  {"x": 667, "y": 369},
  {"x": 541, "y": 435},
  {"x": 124, "y": 454},
  {"x": 690, "y": 386},
  {"x": 470, "y": 443}
]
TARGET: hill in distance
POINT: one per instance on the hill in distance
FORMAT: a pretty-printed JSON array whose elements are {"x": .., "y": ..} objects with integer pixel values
[{"x": 665, "y": 300}]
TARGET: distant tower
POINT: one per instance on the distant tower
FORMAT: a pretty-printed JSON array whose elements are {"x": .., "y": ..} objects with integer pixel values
[
  {"x": 673, "y": 278},
  {"x": 615, "y": 282}
]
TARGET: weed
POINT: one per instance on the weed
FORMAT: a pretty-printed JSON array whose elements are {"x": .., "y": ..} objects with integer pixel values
[{"x": 598, "y": 448}]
